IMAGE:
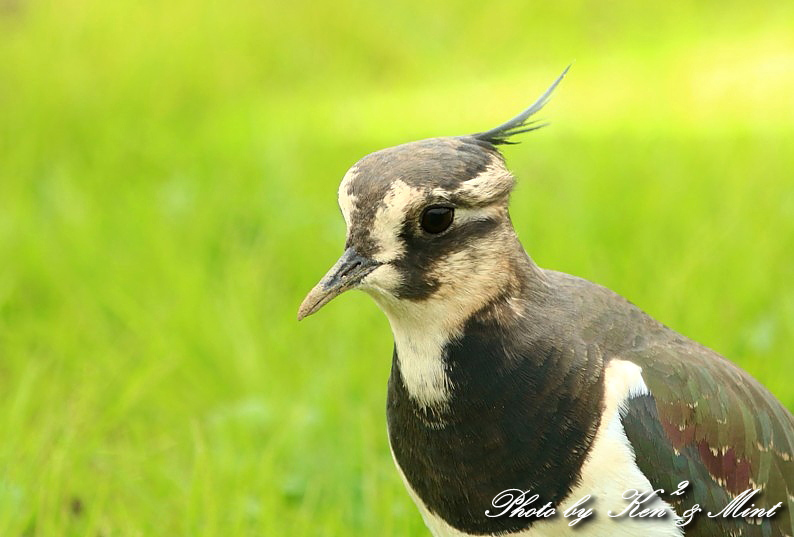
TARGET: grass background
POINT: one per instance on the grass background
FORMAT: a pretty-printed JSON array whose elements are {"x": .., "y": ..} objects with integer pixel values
[{"x": 167, "y": 195}]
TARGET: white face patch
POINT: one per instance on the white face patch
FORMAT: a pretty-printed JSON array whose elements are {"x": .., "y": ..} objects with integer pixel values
[
  {"x": 390, "y": 218},
  {"x": 384, "y": 280},
  {"x": 472, "y": 276},
  {"x": 491, "y": 184},
  {"x": 347, "y": 201}
]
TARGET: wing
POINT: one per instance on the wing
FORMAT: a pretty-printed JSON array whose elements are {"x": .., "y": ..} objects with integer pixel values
[{"x": 710, "y": 423}]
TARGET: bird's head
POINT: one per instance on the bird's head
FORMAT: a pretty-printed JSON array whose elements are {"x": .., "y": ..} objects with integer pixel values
[{"x": 428, "y": 228}]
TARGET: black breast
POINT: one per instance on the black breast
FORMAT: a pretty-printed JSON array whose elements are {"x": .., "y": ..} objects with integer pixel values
[{"x": 522, "y": 415}]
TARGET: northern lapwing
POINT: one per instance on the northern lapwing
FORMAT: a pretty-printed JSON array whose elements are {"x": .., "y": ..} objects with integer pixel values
[{"x": 509, "y": 377}]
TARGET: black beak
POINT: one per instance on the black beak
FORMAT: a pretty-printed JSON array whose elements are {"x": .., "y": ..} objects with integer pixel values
[{"x": 345, "y": 274}]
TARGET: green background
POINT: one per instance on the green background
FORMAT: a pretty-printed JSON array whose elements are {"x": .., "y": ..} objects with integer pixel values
[{"x": 168, "y": 175}]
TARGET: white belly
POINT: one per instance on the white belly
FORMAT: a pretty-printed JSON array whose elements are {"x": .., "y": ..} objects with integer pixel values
[{"x": 608, "y": 472}]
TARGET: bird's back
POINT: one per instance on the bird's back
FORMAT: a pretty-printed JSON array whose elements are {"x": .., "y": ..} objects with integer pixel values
[{"x": 705, "y": 420}]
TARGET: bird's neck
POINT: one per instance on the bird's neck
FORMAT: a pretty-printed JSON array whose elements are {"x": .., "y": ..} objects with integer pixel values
[
  {"x": 517, "y": 402},
  {"x": 499, "y": 292}
]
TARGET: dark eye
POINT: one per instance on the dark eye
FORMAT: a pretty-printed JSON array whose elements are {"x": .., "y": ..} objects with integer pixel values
[{"x": 437, "y": 219}]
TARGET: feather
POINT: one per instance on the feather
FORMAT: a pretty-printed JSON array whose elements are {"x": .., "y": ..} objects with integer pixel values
[{"x": 501, "y": 135}]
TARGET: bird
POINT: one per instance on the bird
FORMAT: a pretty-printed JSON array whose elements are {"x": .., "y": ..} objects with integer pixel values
[{"x": 515, "y": 387}]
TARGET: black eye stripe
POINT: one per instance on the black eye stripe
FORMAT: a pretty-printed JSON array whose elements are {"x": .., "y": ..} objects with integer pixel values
[
  {"x": 423, "y": 252},
  {"x": 437, "y": 219}
]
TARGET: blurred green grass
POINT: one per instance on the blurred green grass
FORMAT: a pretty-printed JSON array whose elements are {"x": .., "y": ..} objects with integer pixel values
[{"x": 167, "y": 194}]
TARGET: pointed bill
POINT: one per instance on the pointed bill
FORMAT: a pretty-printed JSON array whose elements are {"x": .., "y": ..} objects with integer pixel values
[{"x": 344, "y": 275}]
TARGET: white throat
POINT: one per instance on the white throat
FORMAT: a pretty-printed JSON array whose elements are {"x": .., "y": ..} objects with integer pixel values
[
  {"x": 420, "y": 336},
  {"x": 422, "y": 329}
]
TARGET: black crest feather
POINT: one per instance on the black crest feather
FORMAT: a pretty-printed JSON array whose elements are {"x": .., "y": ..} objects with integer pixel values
[{"x": 501, "y": 135}]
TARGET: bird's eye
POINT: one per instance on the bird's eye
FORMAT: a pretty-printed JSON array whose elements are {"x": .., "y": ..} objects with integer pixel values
[{"x": 437, "y": 219}]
